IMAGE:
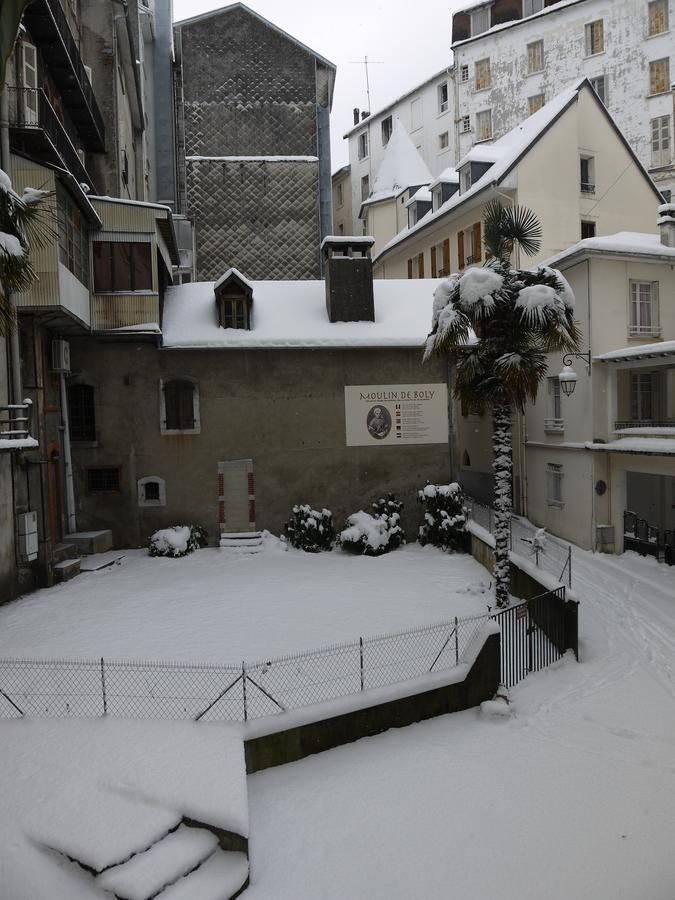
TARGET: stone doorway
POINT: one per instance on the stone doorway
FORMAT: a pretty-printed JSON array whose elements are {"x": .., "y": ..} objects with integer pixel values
[{"x": 236, "y": 496}]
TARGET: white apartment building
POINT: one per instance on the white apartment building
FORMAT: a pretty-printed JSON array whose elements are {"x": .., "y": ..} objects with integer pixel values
[
  {"x": 427, "y": 114},
  {"x": 513, "y": 56}
]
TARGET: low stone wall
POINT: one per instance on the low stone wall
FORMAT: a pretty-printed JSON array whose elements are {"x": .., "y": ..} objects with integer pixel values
[{"x": 481, "y": 683}]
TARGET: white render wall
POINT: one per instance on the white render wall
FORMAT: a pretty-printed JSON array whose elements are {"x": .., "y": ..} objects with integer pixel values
[
  {"x": 425, "y": 136},
  {"x": 624, "y": 63}
]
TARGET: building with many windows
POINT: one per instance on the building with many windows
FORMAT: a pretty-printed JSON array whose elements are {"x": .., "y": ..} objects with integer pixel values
[{"x": 512, "y": 56}]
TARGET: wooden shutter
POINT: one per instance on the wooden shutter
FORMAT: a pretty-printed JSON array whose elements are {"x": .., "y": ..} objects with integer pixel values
[
  {"x": 434, "y": 270},
  {"x": 179, "y": 405},
  {"x": 477, "y": 250},
  {"x": 446, "y": 256},
  {"x": 410, "y": 272},
  {"x": 420, "y": 265},
  {"x": 460, "y": 248}
]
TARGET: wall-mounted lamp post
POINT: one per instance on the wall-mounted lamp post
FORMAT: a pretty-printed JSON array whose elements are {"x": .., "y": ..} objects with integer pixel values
[{"x": 568, "y": 377}]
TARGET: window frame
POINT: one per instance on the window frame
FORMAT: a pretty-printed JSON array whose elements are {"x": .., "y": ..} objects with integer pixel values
[
  {"x": 73, "y": 238},
  {"x": 196, "y": 415},
  {"x": 443, "y": 147},
  {"x": 541, "y": 97},
  {"x": 591, "y": 38},
  {"x": 636, "y": 306},
  {"x": 554, "y": 422},
  {"x": 662, "y": 4},
  {"x": 443, "y": 105},
  {"x": 661, "y": 155},
  {"x": 117, "y": 284},
  {"x": 480, "y": 115},
  {"x": 604, "y": 96},
  {"x": 534, "y": 56},
  {"x": 464, "y": 73},
  {"x": 416, "y": 114},
  {"x": 643, "y": 388},
  {"x": 106, "y": 490},
  {"x": 387, "y": 125},
  {"x": 532, "y": 11},
  {"x": 476, "y": 22},
  {"x": 485, "y": 72},
  {"x": 465, "y": 122},
  {"x": 588, "y": 186},
  {"x": 339, "y": 195},
  {"x": 362, "y": 145},
  {"x": 555, "y": 475},
  {"x": 142, "y": 500},
  {"x": 588, "y": 223},
  {"x": 83, "y": 409},
  {"x": 365, "y": 183},
  {"x": 653, "y": 80}
]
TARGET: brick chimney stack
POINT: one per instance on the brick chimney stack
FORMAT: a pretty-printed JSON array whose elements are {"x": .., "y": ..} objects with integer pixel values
[{"x": 349, "y": 278}]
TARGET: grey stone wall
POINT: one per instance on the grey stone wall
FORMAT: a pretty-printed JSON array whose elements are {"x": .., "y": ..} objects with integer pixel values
[
  {"x": 284, "y": 409},
  {"x": 8, "y": 573},
  {"x": 262, "y": 217}
]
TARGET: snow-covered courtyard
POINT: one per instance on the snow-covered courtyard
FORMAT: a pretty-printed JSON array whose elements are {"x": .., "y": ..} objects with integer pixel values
[{"x": 217, "y": 606}]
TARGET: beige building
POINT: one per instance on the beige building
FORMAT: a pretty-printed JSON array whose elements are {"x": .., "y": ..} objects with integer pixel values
[
  {"x": 568, "y": 162},
  {"x": 342, "y": 202},
  {"x": 609, "y": 447}
]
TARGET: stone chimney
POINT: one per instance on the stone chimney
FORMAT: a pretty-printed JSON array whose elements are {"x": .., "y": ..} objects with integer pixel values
[
  {"x": 364, "y": 114},
  {"x": 349, "y": 278},
  {"x": 356, "y": 115},
  {"x": 666, "y": 223}
]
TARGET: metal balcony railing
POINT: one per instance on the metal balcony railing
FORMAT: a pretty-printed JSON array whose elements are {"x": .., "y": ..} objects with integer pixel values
[
  {"x": 622, "y": 424},
  {"x": 14, "y": 424},
  {"x": 49, "y": 28},
  {"x": 587, "y": 187},
  {"x": 30, "y": 111}
]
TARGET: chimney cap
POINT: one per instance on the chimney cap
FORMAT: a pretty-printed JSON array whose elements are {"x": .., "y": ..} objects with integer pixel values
[{"x": 362, "y": 242}]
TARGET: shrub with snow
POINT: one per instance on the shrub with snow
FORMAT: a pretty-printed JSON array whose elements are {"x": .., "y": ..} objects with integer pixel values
[
  {"x": 444, "y": 523},
  {"x": 310, "y": 530},
  {"x": 176, "y": 541},
  {"x": 373, "y": 535}
]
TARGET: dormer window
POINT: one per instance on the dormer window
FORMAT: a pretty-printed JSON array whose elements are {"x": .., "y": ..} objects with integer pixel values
[
  {"x": 480, "y": 20},
  {"x": 234, "y": 299}
]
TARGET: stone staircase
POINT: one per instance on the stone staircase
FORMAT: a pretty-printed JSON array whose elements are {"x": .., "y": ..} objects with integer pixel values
[
  {"x": 193, "y": 861},
  {"x": 67, "y": 556},
  {"x": 243, "y": 542}
]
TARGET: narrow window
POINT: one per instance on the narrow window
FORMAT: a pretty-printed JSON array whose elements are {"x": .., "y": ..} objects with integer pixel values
[
  {"x": 443, "y": 141},
  {"x": 530, "y": 7},
  {"x": 535, "y": 57},
  {"x": 387, "y": 128},
  {"x": 484, "y": 125},
  {"x": 554, "y": 480},
  {"x": 415, "y": 113},
  {"x": 482, "y": 74},
  {"x": 658, "y": 17},
  {"x": 339, "y": 198},
  {"x": 599, "y": 85},
  {"x": 443, "y": 97},
  {"x": 121, "y": 266},
  {"x": 151, "y": 491},
  {"x": 81, "y": 412},
  {"x": 179, "y": 405},
  {"x": 661, "y": 141},
  {"x": 103, "y": 480},
  {"x": 659, "y": 76},
  {"x": 535, "y": 103},
  {"x": 587, "y": 229},
  {"x": 595, "y": 37},
  {"x": 365, "y": 187},
  {"x": 642, "y": 396},
  {"x": 644, "y": 308},
  {"x": 463, "y": 74},
  {"x": 363, "y": 145},
  {"x": 587, "y": 165},
  {"x": 480, "y": 20},
  {"x": 29, "y": 72},
  {"x": 466, "y": 460},
  {"x": 554, "y": 422},
  {"x": 465, "y": 124}
]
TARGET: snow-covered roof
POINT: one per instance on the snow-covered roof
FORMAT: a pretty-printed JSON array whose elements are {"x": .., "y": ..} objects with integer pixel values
[
  {"x": 124, "y": 202},
  {"x": 504, "y": 154},
  {"x": 402, "y": 166},
  {"x": 237, "y": 274},
  {"x": 447, "y": 176},
  {"x": 422, "y": 195},
  {"x": 347, "y": 239},
  {"x": 648, "y": 445},
  {"x": 270, "y": 159},
  {"x": 554, "y": 7},
  {"x": 292, "y": 314},
  {"x": 644, "y": 351},
  {"x": 632, "y": 243}
]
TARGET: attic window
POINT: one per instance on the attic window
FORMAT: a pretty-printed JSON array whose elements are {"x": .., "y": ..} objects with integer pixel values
[
  {"x": 480, "y": 20},
  {"x": 233, "y": 312}
]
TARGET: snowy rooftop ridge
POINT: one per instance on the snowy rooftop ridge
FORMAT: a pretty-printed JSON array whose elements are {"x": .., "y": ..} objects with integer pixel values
[
  {"x": 660, "y": 348},
  {"x": 556, "y": 6},
  {"x": 297, "y": 159},
  {"x": 505, "y": 152},
  {"x": 635, "y": 243},
  {"x": 292, "y": 315},
  {"x": 231, "y": 271},
  {"x": 401, "y": 166}
]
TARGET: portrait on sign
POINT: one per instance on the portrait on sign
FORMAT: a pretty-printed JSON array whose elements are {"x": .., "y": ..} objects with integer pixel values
[{"x": 378, "y": 422}]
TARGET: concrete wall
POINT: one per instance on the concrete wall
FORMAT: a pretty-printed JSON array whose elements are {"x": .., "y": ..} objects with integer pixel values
[
  {"x": 283, "y": 409},
  {"x": 8, "y": 574},
  {"x": 624, "y": 63},
  {"x": 343, "y": 222}
]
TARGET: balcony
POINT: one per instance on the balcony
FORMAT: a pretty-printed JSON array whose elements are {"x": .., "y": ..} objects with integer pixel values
[
  {"x": 48, "y": 26},
  {"x": 37, "y": 131},
  {"x": 555, "y": 426},
  {"x": 587, "y": 187},
  {"x": 15, "y": 425},
  {"x": 646, "y": 425}
]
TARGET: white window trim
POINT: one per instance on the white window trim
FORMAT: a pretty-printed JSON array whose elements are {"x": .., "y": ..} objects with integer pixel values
[
  {"x": 543, "y": 56},
  {"x": 634, "y": 329},
  {"x": 554, "y": 473},
  {"x": 362, "y": 138},
  {"x": 554, "y": 422},
  {"x": 140, "y": 485},
  {"x": 486, "y": 113},
  {"x": 195, "y": 407}
]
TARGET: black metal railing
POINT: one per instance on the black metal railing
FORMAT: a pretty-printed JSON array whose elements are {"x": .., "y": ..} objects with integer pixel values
[
  {"x": 52, "y": 12},
  {"x": 30, "y": 109},
  {"x": 646, "y": 539},
  {"x": 587, "y": 187},
  {"x": 622, "y": 424},
  {"x": 15, "y": 424}
]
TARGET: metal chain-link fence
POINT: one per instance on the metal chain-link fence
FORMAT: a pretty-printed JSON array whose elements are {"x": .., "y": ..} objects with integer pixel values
[
  {"x": 545, "y": 550},
  {"x": 157, "y": 690}
]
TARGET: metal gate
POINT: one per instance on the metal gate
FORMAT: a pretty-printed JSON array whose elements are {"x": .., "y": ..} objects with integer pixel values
[{"x": 534, "y": 634}]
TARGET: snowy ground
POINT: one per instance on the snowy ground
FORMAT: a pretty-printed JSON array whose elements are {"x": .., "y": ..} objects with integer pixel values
[
  {"x": 572, "y": 796},
  {"x": 213, "y": 606}
]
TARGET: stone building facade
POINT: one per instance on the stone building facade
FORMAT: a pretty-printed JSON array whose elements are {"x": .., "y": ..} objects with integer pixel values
[{"x": 253, "y": 107}]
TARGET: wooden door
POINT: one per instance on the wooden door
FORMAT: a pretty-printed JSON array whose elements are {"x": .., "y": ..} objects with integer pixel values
[{"x": 236, "y": 495}]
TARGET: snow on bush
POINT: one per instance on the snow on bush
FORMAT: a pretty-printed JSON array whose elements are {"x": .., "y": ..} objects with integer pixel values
[
  {"x": 444, "y": 516},
  {"x": 373, "y": 535},
  {"x": 477, "y": 287},
  {"x": 176, "y": 541},
  {"x": 310, "y": 530}
]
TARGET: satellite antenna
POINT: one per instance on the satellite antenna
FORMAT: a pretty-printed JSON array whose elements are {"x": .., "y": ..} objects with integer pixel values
[{"x": 365, "y": 62}]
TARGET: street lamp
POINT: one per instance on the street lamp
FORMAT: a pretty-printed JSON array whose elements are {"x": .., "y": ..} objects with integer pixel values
[{"x": 568, "y": 377}]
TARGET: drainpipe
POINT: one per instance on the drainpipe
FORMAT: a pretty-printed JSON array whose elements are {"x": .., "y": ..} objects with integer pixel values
[
  {"x": 67, "y": 458},
  {"x": 6, "y": 163}
]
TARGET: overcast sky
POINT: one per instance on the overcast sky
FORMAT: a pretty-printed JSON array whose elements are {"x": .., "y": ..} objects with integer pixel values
[{"x": 409, "y": 38}]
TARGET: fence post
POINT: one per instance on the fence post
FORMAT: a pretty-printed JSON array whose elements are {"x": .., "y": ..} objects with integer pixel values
[
  {"x": 243, "y": 686},
  {"x": 569, "y": 565},
  {"x": 361, "y": 656},
  {"x": 105, "y": 699},
  {"x": 456, "y": 642}
]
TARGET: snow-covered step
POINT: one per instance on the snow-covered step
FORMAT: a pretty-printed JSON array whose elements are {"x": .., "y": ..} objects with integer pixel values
[
  {"x": 241, "y": 541},
  {"x": 91, "y": 541},
  {"x": 101, "y": 560},
  {"x": 67, "y": 569},
  {"x": 170, "y": 859},
  {"x": 219, "y": 878}
]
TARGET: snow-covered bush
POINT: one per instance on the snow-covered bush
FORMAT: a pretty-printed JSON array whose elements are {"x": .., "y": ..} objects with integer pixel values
[
  {"x": 310, "y": 530},
  {"x": 444, "y": 516},
  {"x": 373, "y": 535},
  {"x": 178, "y": 540}
]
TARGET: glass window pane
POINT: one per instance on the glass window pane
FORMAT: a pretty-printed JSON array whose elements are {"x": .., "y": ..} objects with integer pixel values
[{"x": 142, "y": 267}]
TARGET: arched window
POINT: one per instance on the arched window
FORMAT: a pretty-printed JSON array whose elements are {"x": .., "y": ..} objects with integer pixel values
[
  {"x": 466, "y": 460},
  {"x": 81, "y": 412},
  {"x": 151, "y": 491},
  {"x": 179, "y": 406}
]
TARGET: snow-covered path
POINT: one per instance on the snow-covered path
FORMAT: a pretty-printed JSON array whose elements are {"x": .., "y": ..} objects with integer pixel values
[{"x": 574, "y": 795}]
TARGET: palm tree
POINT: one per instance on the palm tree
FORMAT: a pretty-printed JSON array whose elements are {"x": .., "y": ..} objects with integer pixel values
[
  {"x": 25, "y": 223},
  {"x": 497, "y": 323}
]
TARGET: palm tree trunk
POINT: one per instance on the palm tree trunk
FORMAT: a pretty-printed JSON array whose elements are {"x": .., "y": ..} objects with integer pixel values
[{"x": 502, "y": 440}]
